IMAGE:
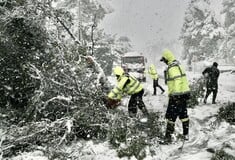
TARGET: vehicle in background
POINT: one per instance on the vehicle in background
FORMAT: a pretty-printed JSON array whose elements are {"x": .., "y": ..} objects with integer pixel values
[{"x": 134, "y": 64}]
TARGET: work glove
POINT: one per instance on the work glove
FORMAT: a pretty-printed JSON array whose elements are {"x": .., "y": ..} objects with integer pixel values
[
  {"x": 112, "y": 103},
  {"x": 187, "y": 96}
]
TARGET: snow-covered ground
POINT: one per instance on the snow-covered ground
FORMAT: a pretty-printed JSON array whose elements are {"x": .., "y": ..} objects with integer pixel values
[{"x": 204, "y": 131}]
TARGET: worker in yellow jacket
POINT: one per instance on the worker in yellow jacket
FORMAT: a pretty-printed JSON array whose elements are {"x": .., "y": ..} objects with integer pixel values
[
  {"x": 127, "y": 84},
  {"x": 179, "y": 93},
  {"x": 153, "y": 74}
]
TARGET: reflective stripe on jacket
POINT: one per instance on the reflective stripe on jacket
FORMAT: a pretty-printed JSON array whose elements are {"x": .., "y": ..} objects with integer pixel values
[
  {"x": 126, "y": 84},
  {"x": 176, "y": 79}
]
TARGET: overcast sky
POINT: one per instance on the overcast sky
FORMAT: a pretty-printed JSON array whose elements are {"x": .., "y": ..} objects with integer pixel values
[{"x": 145, "y": 21}]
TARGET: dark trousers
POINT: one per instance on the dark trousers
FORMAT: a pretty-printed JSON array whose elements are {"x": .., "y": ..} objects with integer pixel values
[
  {"x": 177, "y": 107},
  {"x": 135, "y": 101},
  {"x": 211, "y": 89},
  {"x": 155, "y": 85}
]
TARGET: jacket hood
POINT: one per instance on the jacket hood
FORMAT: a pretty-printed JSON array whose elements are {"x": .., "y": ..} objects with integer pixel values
[
  {"x": 118, "y": 71},
  {"x": 168, "y": 55},
  {"x": 152, "y": 66}
]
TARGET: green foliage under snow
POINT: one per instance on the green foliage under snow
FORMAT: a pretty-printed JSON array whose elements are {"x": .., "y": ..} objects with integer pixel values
[
  {"x": 45, "y": 81},
  {"x": 227, "y": 113},
  {"x": 130, "y": 136},
  {"x": 197, "y": 92},
  {"x": 222, "y": 155},
  {"x": 51, "y": 92}
]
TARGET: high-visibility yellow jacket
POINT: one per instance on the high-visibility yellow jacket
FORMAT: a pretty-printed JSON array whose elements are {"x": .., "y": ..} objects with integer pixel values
[
  {"x": 175, "y": 76},
  {"x": 153, "y": 72},
  {"x": 126, "y": 84}
]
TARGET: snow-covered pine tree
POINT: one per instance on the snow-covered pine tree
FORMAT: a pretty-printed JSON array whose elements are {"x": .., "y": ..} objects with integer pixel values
[
  {"x": 41, "y": 74},
  {"x": 227, "y": 50},
  {"x": 123, "y": 45},
  {"x": 104, "y": 51},
  {"x": 23, "y": 42},
  {"x": 201, "y": 32},
  {"x": 47, "y": 77},
  {"x": 86, "y": 16}
]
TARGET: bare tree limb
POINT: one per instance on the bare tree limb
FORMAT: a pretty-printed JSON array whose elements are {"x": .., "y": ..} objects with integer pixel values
[{"x": 67, "y": 29}]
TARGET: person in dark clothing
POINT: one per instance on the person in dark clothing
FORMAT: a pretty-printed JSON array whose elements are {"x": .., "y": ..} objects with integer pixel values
[{"x": 211, "y": 74}]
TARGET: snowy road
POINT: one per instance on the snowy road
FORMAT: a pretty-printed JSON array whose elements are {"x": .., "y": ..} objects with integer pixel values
[{"x": 205, "y": 132}]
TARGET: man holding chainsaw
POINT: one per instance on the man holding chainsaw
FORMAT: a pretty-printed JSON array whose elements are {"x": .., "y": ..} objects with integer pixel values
[{"x": 131, "y": 86}]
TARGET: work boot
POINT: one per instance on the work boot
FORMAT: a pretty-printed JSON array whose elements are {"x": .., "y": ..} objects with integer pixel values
[
  {"x": 204, "y": 101},
  {"x": 166, "y": 140},
  {"x": 145, "y": 111},
  {"x": 186, "y": 137},
  {"x": 132, "y": 115},
  {"x": 185, "y": 127},
  {"x": 154, "y": 91},
  {"x": 169, "y": 130},
  {"x": 183, "y": 137},
  {"x": 213, "y": 98}
]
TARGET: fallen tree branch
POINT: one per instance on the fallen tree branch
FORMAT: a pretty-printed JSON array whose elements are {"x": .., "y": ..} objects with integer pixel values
[
  {"x": 67, "y": 29},
  {"x": 41, "y": 133}
]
